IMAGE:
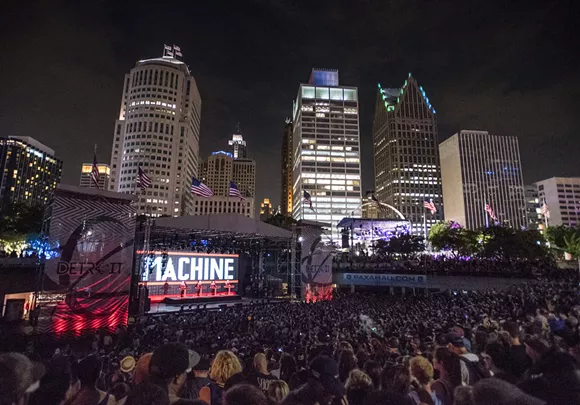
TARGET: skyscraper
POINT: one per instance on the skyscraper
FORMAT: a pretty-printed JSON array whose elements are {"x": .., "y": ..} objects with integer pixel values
[
  {"x": 326, "y": 150},
  {"x": 158, "y": 130},
  {"x": 534, "y": 216},
  {"x": 104, "y": 176},
  {"x": 478, "y": 169},
  {"x": 29, "y": 171},
  {"x": 266, "y": 210},
  {"x": 562, "y": 197},
  {"x": 286, "y": 170},
  {"x": 237, "y": 145},
  {"x": 407, "y": 171},
  {"x": 218, "y": 171}
]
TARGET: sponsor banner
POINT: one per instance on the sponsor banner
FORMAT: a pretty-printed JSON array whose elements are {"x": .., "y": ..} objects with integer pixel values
[
  {"x": 185, "y": 266},
  {"x": 387, "y": 280}
]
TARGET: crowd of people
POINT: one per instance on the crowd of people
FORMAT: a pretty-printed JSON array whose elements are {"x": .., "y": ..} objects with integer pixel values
[
  {"x": 518, "y": 346},
  {"x": 441, "y": 265}
]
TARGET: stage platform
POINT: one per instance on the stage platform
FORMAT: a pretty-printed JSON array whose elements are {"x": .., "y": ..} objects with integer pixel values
[
  {"x": 204, "y": 299},
  {"x": 161, "y": 307}
]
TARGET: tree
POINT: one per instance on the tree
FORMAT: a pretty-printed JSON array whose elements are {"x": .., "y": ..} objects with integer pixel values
[
  {"x": 17, "y": 222},
  {"x": 281, "y": 221},
  {"x": 452, "y": 237},
  {"x": 572, "y": 246},
  {"x": 557, "y": 235},
  {"x": 505, "y": 243},
  {"x": 404, "y": 244}
]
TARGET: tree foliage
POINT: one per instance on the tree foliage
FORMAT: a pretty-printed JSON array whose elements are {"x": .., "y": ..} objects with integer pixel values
[
  {"x": 20, "y": 219},
  {"x": 449, "y": 236},
  {"x": 405, "y": 245},
  {"x": 281, "y": 221},
  {"x": 557, "y": 235},
  {"x": 572, "y": 244}
]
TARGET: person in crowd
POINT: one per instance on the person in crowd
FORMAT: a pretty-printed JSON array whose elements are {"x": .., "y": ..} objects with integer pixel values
[
  {"x": 225, "y": 365},
  {"x": 448, "y": 365},
  {"x": 536, "y": 347},
  {"x": 89, "y": 370},
  {"x": 493, "y": 391},
  {"x": 519, "y": 360},
  {"x": 358, "y": 386},
  {"x": 19, "y": 378},
  {"x": 55, "y": 384},
  {"x": 245, "y": 394},
  {"x": 287, "y": 368},
  {"x": 198, "y": 379},
  {"x": 167, "y": 368},
  {"x": 141, "y": 371},
  {"x": 260, "y": 377},
  {"x": 147, "y": 394},
  {"x": 277, "y": 391},
  {"x": 396, "y": 379},
  {"x": 470, "y": 368},
  {"x": 346, "y": 363},
  {"x": 373, "y": 369},
  {"x": 498, "y": 362},
  {"x": 461, "y": 332},
  {"x": 322, "y": 387},
  {"x": 422, "y": 373},
  {"x": 463, "y": 395},
  {"x": 120, "y": 391}
]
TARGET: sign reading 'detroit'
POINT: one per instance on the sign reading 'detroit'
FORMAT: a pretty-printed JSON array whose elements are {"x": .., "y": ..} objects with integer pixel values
[{"x": 183, "y": 266}]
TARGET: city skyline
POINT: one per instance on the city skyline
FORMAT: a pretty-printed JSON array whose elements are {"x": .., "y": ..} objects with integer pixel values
[{"x": 477, "y": 79}]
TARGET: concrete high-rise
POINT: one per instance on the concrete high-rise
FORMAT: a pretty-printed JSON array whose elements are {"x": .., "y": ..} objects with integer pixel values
[
  {"x": 562, "y": 195},
  {"x": 87, "y": 179},
  {"x": 158, "y": 130},
  {"x": 218, "y": 171},
  {"x": 407, "y": 170},
  {"x": 326, "y": 150},
  {"x": 29, "y": 171},
  {"x": 534, "y": 216},
  {"x": 478, "y": 169},
  {"x": 286, "y": 170}
]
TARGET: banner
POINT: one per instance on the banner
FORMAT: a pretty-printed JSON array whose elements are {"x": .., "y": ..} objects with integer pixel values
[
  {"x": 384, "y": 280},
  {"x": 316, "y": 265},
  {"x": 95, "y": 232}
]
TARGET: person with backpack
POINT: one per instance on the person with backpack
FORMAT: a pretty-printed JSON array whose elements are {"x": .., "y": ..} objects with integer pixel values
[
  {"x": 471, "y": 369},
  {"x": 449, "y": 367}
]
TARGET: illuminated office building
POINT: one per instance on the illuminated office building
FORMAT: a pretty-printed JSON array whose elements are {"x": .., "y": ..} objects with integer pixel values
[
  {"x": 29, "y": 171},
  {"x": 266, "y": 210},
  {"x": 158, "y": 130},
  {"x": 286, "y": 170},
  {"x": 87, "y": 179},
  {"x": 478, "y": 169},
  {"x": 562, "y": 195},
  {"x": 326, "y": 151},
  {"x": 407, "y": 171},
  {"x": 237, "y": 145}
]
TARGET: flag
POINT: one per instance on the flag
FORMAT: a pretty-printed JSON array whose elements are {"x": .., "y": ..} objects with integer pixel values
[
  {"x": 545, "y": 210},
  {"x": 95, "y": 172},
  {"x": 376, "y": 201},
  {"x": 200, "y": 189},
  {"x": 235, "y": 192},
  {"x": 167, "y": 47},
  {"x": 430, "y": 206},
  {"x": 176, "y": 48},
  {"x": 307, "y": 199},
  {"x": 144, "y": 180},
  {"x": 490, "y": 211}
]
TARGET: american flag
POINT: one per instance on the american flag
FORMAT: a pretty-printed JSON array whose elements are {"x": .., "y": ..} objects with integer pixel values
[
  {"x": 307, "y": 198},
  {"x": 235, "y": 192},
  {"x": 545, "y": 210},
  {"x": 95, "y": 172},
  {"x": 490, "y": 211},
  {"x": 430, "y": 206},
  {"x": 144, "y": 180},
  {"x": 200, "y": 189}
]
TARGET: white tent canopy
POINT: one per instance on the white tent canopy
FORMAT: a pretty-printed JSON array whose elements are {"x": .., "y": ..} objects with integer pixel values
[{"x": 232, "y": 223}]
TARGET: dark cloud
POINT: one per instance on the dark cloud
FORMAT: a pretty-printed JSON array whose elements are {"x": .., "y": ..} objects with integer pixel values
[{"x": 508, "y": 67}]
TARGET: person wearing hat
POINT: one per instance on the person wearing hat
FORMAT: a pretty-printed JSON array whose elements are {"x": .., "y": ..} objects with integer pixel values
[
  {"x": 469, "y": 361},
  {"x": 19, "y": 377},
  {"x": 168, "y": 368},
  {"x": 198, "y": 379},
  {"x": 322, "y": 387}
]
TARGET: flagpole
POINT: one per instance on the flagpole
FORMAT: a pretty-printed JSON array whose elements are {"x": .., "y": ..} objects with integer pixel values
[{"x": 486, "y": 215}]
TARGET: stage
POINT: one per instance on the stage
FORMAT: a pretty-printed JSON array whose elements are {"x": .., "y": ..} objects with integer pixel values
[{"x": 162, "y": 307}]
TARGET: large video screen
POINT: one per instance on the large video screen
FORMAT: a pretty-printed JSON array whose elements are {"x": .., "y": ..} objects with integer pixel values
[{"x": 188, "y": 267}]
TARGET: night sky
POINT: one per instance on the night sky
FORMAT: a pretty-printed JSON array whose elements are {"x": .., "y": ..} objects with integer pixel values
[{"x": 512, "y": 69}]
